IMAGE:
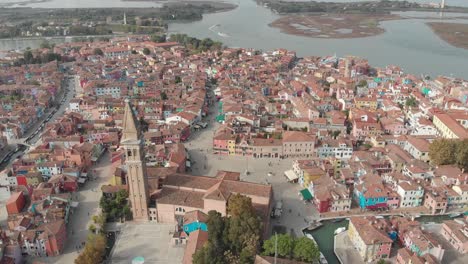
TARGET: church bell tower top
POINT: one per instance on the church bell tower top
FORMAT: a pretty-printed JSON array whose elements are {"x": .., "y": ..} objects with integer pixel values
[{"x": 130, "y": 133}]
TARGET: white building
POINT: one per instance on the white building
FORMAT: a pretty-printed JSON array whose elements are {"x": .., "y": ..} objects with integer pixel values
[
  {"x": 411, "y": 194},
  {"x": 334, "y": 148},
  {"x": 462, "y": 190},
  {"x": 418, "y": 148}
]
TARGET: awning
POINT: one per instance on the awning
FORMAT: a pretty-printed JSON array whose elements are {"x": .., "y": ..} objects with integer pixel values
[
  {"x": 376, "y": 206},
  {"x": 291, "y": 175},
  {"x": 306, "y": 194}
]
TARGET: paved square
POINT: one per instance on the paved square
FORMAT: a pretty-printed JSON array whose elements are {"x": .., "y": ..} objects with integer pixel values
[{"x": 152, "y": 241}]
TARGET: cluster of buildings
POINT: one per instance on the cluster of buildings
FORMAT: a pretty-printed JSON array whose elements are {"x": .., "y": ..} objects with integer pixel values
[
  {"x": 38, "y": 187},
  {"x": 355, "y": 135},
  {"x": 26, "y": 93},
  {"x": 375, "y": 238},
  {"x": 168, "y": 195}
]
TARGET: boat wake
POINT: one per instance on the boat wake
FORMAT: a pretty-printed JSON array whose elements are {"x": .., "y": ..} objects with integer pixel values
[{"x": 221, "y": 34}]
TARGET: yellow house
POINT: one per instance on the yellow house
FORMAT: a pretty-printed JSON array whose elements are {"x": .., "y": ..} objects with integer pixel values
[
  {"x": 116, "y": 178},
  {"x": 378, "y": 141},
  {"x": 311, "y": 174},
  {"x": 232, "y": 147},
  {"x": 33, "y": 178},
  {"x": 448, "y": 127},
  {"x": 369, "y": 102}
]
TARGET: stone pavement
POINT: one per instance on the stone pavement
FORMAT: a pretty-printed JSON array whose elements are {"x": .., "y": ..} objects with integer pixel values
[
  {"x": 420, "y": 210},
  {"x": 296, "y": 213},
  {"x": 152, "y": 241}
]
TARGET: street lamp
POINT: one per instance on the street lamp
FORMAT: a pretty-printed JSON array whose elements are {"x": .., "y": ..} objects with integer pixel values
[{"x": 247, "y": 160}]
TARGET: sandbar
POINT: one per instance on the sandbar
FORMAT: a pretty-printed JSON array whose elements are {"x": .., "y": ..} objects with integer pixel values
[
  {"x": 333, "y": 25},
  {"x": 456, "y": 34}
]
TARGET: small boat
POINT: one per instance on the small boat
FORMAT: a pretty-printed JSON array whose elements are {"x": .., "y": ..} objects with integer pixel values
[
  {"x": 224, "y": 35},
  {"x": 314, "y": 225},
  {"x": 340, "y": 230},
  {"x": 337, "y": 220},
  {"x": 453, "y": 215},
  {"x": 322, "y": 259},
  {"x": 309, "y": 236}
]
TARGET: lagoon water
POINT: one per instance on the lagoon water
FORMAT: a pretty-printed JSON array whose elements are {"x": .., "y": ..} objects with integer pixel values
[{"x": 408, "y": 43}]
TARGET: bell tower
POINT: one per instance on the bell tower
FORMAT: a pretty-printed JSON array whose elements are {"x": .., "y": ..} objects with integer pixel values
[{"x": 137, "y": 181}]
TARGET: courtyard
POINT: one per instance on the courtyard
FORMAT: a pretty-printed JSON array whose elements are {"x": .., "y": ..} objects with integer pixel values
[
  {"x": 204, "y": 162},
  {"x": 150, "y": 241}
]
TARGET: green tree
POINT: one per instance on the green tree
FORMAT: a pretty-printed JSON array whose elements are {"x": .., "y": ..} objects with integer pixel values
[
  {"x": 305, "y": 250},
  {"x": 92, "y": 228},
  {"x": 381, "y": 261},
  {"x": 45, "y": 45},
  {"x": 362, "y": 83},
  {"x": 285, "y": 245},
  {"x": 98, "y": 51},
  {"x": 94, "y": 250},
  {"x": 442, "y": 151},
  {"x": 158, "y": 38},
  {"x": 244, "y": 227},
  {"x": 144, "y": 125},
  {"x": 28, "y": 56},
  {"x": 232, "y": 239},
  {"x": 240, "y": 204},
  {"x": 146, "y": 51},
  {"x": 462, "y": 154},
  {"x": 178, "y": 79},
  {"x": 336, "y": 133},
  {"x": 411, "y": 102},
  {"x": 163, "y": 96}
]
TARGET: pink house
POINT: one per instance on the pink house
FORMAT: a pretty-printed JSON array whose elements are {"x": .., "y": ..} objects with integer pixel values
[
  {"x": 455, "y": 234},
  {"x": 393, "y": 200},
  {"x": 393, "y": 126},
  {"x": 54, "y": 236},
  {"x": 366, "y": 129}
]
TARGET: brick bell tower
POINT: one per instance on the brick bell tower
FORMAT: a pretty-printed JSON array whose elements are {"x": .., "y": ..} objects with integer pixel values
[{"x": 134, "y": 160}]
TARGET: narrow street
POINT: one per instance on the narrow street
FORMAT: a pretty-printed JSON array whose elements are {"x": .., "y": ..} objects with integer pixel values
[
  {"x": 88, "y": 197},
  {"x": 34, "y": 133}
]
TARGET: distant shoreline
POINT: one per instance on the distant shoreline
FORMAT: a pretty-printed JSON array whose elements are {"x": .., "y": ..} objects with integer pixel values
[{"x": 456, "y": 34}]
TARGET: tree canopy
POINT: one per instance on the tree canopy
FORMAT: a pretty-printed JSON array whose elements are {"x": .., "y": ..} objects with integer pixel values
[
  {"x": 449, "y": 151},
  {"x": 94, "y": 250},
  {"x": 146, "y": 51},
  {"x": 300, "y": 249},
  {"x": 411, "y": 102},
  {"x": 285, "y": 245},
  {"x": 305, "y": 250},
  {"x": 196, "y": 44},
  {"x": 232, "y": 239},
  {"x": 98, "y": 51},
  {"x": 116, "y": 207}
]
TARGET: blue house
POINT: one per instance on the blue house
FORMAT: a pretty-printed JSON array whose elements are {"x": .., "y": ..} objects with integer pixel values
[
  {"x": 195, "y": 220},
  {"x": 371, "y": 196}
]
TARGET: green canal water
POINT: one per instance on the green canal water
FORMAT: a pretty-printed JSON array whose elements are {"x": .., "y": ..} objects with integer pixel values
[{"x": 325, "y": 234}]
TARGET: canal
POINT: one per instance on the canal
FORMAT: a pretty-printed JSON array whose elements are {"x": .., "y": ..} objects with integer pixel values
[{"x": 324, "y": 235}]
